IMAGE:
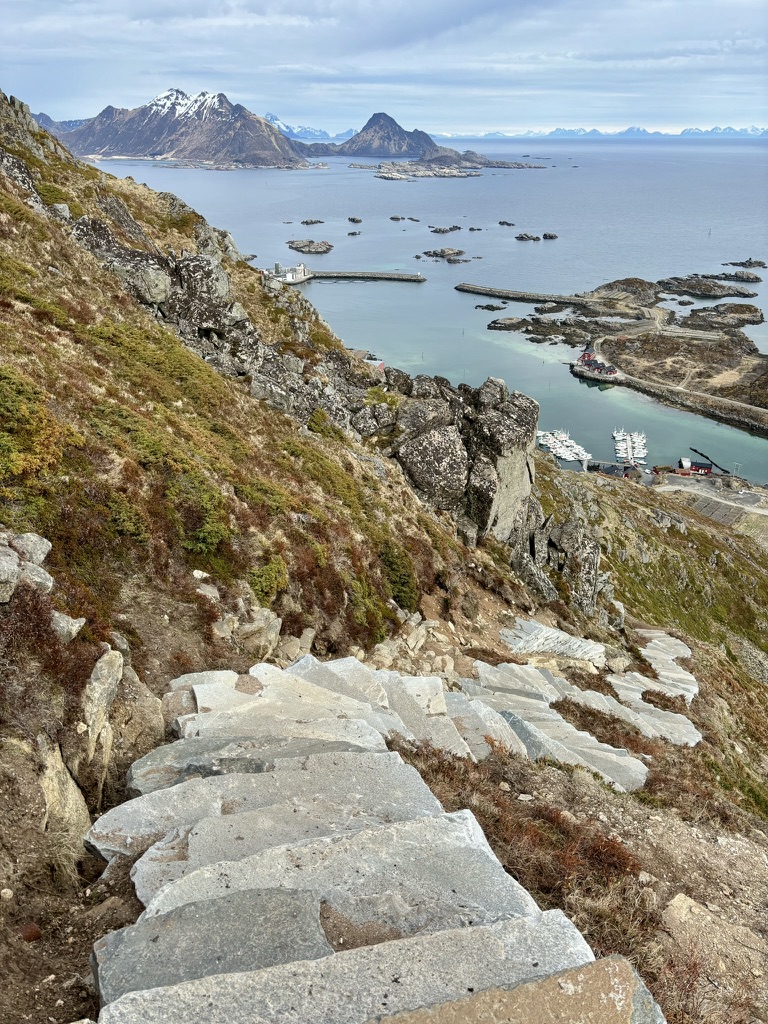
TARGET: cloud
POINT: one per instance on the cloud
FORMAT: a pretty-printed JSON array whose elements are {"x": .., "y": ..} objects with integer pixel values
[{"x": 331, "y": 62}]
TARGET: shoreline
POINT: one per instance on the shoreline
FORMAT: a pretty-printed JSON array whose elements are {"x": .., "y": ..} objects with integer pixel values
[{"x": 750, "y": 418}]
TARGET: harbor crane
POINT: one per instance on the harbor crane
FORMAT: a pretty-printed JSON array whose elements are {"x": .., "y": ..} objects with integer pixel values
[{"x": 725, "y": 472}]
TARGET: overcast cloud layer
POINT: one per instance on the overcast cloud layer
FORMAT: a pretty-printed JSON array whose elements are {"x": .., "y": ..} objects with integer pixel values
[{"x": 440, "y": 65}]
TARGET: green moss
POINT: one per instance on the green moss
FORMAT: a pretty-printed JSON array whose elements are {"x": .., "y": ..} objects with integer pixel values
[
  {"x": 378, "y": 396},
  {"x": 264, "y": 494},
  {"x": 369, "y": 610},
  {"x": 268, "y": 580},
  {"x": 400, "y": 574},
  {"x": 31, "y": 438},
  {"x": 321, "y": 423},
  {"x": 128, "y": 518},
  {"x": 200, "y": 513}
]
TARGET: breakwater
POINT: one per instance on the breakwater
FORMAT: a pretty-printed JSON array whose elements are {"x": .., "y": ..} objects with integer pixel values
[
  {"x": 363, "y": 275},
  {"x": 515, "y": 296}
]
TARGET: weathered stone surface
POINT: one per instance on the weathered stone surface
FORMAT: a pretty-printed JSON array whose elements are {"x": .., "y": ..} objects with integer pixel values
[
  {"x": 427, "y": 691},
  {"x": 10, "y": 572},
  {"x": 606, "y": 992},
  {"x": 420, "y": 875},
  {"x": 243, "y": 932},
  {"x": 357, "y": 986},
  {"x": 219, "y": 697},
  {"x": 438, "y": 464},
  {"x": 435, "y": 729},
  {"x": 345, "y": 676},
  {"x": 283, "y": 686},
  {"x": 529, "y": 636},
  {"x": 65, "y": 627},
  {"x": 221, "y": 755},
  {"x": 31, "y": 546},
  {"x": 261, "y": 635},
  {"x": 381, "y": 782},
  {"x": 225, "y": 677},
  {"x": 475, "y": 721},
  {"x": 137, "y": 720},
  {"x": 177, "y": 704},
  {"x": 37, "y": 577},
  {"x": 66, "y": 811},
  {"x": 236, "y": 836},
  {"x": 270, "y": 718},
  {"x": 100, "y": 692}
]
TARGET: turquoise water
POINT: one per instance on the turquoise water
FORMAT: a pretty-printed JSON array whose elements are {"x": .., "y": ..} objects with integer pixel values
[{"x": 627, "y": 210}]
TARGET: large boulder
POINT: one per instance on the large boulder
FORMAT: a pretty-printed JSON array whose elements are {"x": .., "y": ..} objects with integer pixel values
[{"x": 438, "y": 464}]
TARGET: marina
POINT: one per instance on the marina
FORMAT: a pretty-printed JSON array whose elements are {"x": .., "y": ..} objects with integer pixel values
[
  {"x": 631, "y": 446},
  {"x": 562, "y": 446}
]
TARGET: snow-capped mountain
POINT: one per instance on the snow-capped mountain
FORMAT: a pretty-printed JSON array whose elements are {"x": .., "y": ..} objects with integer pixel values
[
  {"x": 205, "y": 127},
  {"x": 303, "y": 131}
]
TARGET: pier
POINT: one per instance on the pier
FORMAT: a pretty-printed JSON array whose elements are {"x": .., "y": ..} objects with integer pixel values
[
  {"x": 363, "y": 275},
  {"x": 514, "y": 296}
]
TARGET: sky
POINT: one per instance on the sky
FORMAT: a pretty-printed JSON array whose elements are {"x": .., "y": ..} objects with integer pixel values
[{"x": 438, "y": 65}]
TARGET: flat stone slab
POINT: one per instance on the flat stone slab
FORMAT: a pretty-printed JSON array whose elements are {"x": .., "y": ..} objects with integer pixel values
[
  {"x": 377, "y": 782},
  {"x": 345, "y": 676},
  {"x": 419, "y": 875},
  {"x": 475, "y": 721},
  {"x": 529, "y": 636},
  {"x": 275, "y": 718},
  {"x": 236, "y": 836},
  {"x": 435, "y": 729},
  {"x": 361, "y": 985},
  {"x": 202, "y": 756},
  {"x": 219, "y": 697},
  {"x": 225, "y": 677},
  {"x": 427, "y": 691},
  {"x": 608, "y": 991},
  {"x": 243, "y": 932},
  {"x": 307, "y": 698}
]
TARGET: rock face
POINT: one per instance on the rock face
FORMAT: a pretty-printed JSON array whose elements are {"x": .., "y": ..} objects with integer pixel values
[{"x": 206, "y": 127}]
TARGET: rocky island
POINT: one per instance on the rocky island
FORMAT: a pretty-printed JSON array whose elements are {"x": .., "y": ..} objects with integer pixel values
[
  {"x": 702, "y": 361},
  {"x": 309, "y": 247}
]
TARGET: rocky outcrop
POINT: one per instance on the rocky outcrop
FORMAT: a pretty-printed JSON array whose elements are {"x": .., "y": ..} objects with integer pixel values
[
  {"x": 704, "y": 287},
  {"x": 309, "y": 246}
]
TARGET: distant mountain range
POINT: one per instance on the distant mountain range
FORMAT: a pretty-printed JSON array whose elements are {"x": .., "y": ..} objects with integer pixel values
[
  {"x": 305, "y": 133},
  {"x": 208, "y": 128},
  {"x": 592, "y": 133}
]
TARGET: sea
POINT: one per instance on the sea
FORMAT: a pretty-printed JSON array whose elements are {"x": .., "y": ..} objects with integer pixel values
[{"x": 620, "y": 208}]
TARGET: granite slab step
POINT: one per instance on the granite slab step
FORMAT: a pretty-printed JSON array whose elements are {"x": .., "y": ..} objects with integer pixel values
[
  {"x": 281, "y": 685},
  {"x": 380, "y": 783},
  {"x": 224, "y": 677},
  {"x": 271, "y": 717},
  {"x": 427, "y": 691},
  {"x": 624, "y": 772},
  {"x": 530, "y": 710},
  {"x": 475, "y": 721},
  {"x": 203, "y": 756},
  {"x": 538, "y": 745},
  {"x": 421, "y": 875},
  {"x": 438, "y": 730},
  {"x": 243, "y": 932},
  {"x": 361, "y": 985},
  {"x": 529, "y": 636},
  {"x": 219, "y": 697},
  {"x": 236, "y": 836},
  {"x": 608, "y": 991},
  {"x": 345, "y": 676}
]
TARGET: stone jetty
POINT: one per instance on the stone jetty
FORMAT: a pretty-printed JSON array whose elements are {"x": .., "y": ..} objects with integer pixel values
[{"x": 293, "y": 869}]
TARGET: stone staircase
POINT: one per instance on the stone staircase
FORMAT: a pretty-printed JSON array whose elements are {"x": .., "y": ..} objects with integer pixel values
[{"x": 294, "y": 870}]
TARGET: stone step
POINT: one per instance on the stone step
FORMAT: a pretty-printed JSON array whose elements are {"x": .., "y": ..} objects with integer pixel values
[
  {"x": 624, "y": 772},
  {"x": 529, "y": 710},
  {"x": 438, "y": 730},
  {"x": 236, "y": 836},
  {"x": 223, "y": 755},
  {"x": 361, "y": 985},
  {"x": 529, "y": 636},
  {"x": 427, "y": 691},
  {"x": 608, "y": 991},
  {"x": 224, "y": 677},
  {"x": 243, "y": 932},
  {"x": 219, "y": 697},
  {"x": 420, "y": 875},
  {"x": 268, "y": 717},
  {"x": 281, "y": 685},
  {"x": 538, "y": 744},
  {"x": 380, "y": 783},
  {"x": 475, "y": 721},
  {"x": 345, "y": 676}
]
